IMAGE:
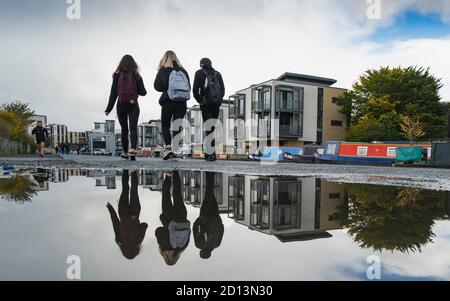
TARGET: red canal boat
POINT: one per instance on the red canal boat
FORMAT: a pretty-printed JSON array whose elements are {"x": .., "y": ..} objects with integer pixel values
[{"x": 366, "y": 153}]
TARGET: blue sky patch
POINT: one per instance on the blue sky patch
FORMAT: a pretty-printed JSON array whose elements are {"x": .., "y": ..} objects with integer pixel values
[{"x": 413, "y": 25}]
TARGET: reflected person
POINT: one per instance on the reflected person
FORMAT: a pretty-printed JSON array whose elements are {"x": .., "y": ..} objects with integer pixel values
[
  {"x": 173, "y": 237},
  {"x": 129, "y": 231},
  {"x": 208, "y": 228}
]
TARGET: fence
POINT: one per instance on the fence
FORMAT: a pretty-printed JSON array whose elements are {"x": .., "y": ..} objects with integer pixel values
[{"x": 9, "y": 147}]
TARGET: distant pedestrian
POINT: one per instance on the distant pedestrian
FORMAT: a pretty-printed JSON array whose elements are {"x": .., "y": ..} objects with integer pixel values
[
  {"x": 173, "y": 82},
  {"x": 127, "y": 86},
  {"x": 62, "y": 148},
  {"x": 56, "y": 149},
  {"x": 209, "y": 91},
  {"x": 67, "y": 148},
  {"x": 41, "y": 135}
]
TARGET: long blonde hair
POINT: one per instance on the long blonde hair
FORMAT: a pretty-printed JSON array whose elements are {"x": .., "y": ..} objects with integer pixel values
[
  {"x": 170, "y": 256},
  {"x": 168, "y": 59}
]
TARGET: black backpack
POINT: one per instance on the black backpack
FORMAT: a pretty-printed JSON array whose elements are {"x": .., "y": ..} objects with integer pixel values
[{"x": 211, "y": 89}]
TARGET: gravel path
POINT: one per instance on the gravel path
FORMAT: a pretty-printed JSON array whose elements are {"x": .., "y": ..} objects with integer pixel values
[{"x": 428, "y": 178}]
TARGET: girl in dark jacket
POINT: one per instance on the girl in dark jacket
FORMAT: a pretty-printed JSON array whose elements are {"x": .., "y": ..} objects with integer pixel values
[
  {"x": 127, "y": 86},
  {"x": 171, "y": 109}
]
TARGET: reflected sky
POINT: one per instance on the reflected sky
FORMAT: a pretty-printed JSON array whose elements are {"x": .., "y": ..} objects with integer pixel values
[{"x": 204, "y": 226}]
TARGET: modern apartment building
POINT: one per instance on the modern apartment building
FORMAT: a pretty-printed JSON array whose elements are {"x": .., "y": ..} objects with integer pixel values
[
  {"x": 150, "y": 134},
  {"x": 102, "y": 139},
  {"x": 292, "y": 110},
  {"x": 58, "y": 133},
  {"x": 99, "y": 127},
  {"x": 77, "y": 138}
]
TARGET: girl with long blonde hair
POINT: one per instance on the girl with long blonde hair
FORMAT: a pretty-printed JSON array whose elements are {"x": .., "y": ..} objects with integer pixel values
[{"x": 173, "y": 82}]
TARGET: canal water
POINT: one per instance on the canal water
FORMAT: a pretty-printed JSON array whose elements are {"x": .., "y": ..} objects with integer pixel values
[{"x": 61, "y": 224}]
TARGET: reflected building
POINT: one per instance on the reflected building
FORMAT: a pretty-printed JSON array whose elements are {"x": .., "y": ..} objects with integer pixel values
[
  {"x": 150, "y": 179},
  {"x": 291, "y": 209},
  {"x": 107, "y": 181},
  {"x": 104, "y": 178},
  {"x": 193, "y": 187}
]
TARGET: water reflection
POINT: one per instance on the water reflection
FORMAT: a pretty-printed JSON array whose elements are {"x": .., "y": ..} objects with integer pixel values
[
  {"x": 290, "y": 209},
  {"x": 392, "y": 218},
  {"x": 173, "y": 237},
  {"x": 18, "y": 188},
  {"x": 129, "y": 231},
  {"x": 208, "y": 228}
]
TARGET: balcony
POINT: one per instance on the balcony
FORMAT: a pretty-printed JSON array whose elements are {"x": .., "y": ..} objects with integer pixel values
[
  {"x": 289, "y": 131},
  {"x": 289, "y": 99},
  {"x": 261, "y": 106},
  {"x": 262, "y": 99},
  {"x": 237, "y": 108}
]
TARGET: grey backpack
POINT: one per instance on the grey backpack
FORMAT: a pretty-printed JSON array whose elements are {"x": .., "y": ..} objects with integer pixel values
[
  {"x": 179, "y": 88},
  {"x": 179, "y": 233}
]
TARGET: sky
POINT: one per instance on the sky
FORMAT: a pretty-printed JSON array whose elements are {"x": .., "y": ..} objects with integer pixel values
[{"x": 62, "y": 66}]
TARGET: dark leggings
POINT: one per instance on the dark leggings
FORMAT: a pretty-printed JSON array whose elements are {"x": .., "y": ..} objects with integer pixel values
[
  {"x": 171, "y": 111},
  {"x": 176, "y": 210},
  {"x": 129, "y": 204},
  {"x": 209, "y": 113},
  {"x": 128, "y": 114}
]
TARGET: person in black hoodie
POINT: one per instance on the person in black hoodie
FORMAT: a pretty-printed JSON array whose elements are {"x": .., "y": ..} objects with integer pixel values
[
  {"x": 128, "y": 230},
  {"x": 127, "y": 86},
  {"x": 208, "y": 229},
  {"x": 172, "y": 107},
  {"x": 209, "y": 91},
  {"x": 41, "y": 134}
]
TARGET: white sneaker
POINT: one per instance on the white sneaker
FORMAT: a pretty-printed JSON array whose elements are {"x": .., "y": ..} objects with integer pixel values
[{"x": 168, "y": 153}]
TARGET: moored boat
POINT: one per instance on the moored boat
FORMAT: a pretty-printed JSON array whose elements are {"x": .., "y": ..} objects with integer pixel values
[{"x": 383, "y": 153}]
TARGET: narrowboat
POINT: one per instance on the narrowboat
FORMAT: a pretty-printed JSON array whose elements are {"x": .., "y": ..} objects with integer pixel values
[
  {"x": 382, "y": 153},
  {"x": 278, "y": 154}
]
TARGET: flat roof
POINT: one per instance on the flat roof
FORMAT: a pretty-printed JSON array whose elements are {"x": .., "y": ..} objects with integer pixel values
[
  {"x": 289, "y": 76},
  {"x": 298, "y": 78}
]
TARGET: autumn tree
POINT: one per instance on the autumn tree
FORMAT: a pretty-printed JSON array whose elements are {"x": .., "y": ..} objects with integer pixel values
[
  {"x": 411, "y": 129},
  {"x": 15, "y": 118},
  {"x": 376, "y": 103}
]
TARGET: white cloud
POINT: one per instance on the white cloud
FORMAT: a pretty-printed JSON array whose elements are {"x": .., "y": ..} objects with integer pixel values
[{"x": 64, "y": 68}]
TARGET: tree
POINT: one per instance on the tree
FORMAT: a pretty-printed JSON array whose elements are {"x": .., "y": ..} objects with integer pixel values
[
  {"x": 16, "y": 117},
  {"x": 391, "y": 218},
  {"x": 383, "y": 96},
  {"x": 22, "y": 111},
  {"x": 411, "y": 129},
  {"x": 18, "y": 189}
]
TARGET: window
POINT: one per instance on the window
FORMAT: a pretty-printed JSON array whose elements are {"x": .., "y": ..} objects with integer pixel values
[
  {"x": 336, "y": 123},
  {"x": 392, "y": 152},
  {"x": 362, "y": 150},
  {"x": 334, "y": 195},
  {"x": 320, "y": 116},
  {"x": 331, "y": 149}
]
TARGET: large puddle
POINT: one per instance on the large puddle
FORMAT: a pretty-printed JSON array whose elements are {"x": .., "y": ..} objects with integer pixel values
[{"x": 186, "y": 225}]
